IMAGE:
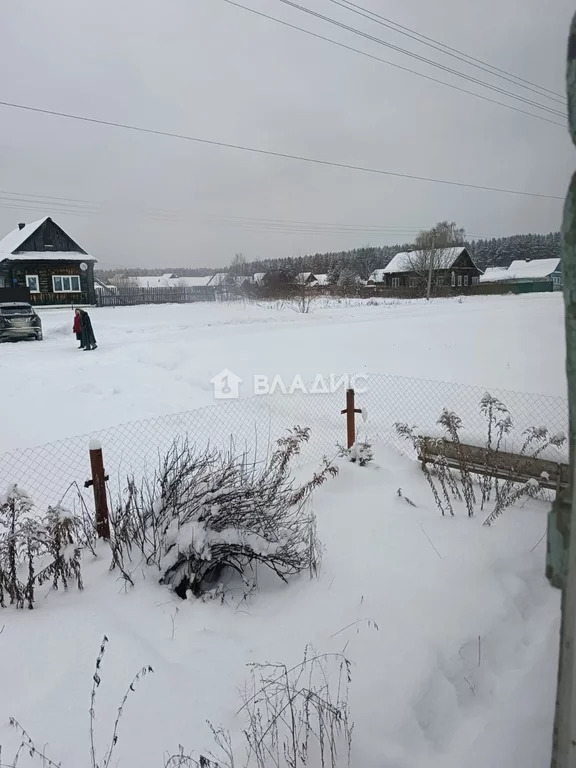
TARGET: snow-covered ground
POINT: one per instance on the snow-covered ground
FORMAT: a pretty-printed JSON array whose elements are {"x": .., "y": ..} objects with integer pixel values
[
  {"x": 155, "y": 360},
  {"x": 461, "y": 669}
]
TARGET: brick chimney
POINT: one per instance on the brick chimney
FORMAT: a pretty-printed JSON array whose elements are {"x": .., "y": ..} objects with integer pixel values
[{"x": 21, "y": 225}]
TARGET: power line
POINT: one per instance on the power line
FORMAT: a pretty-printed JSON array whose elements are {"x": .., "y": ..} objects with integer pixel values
[
  {"x": 284, "y": 226},
  {"x": 271, "y": 153},
  {"x": 450, "y": 51},
  {"x": 390, "y": 63},
  {"x": 418, "y": 57}
]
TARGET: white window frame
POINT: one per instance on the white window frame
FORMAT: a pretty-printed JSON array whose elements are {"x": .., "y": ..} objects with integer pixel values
[
  {"x": 475, "y": 280},
  {"x": 412, "y": 282},
  {"x": 453, "y": 279},
  {"x": 66, "y": 290},
  {"x": 459, "y": 281},
  {"x": 37, "y": 278},
  {"x": 395, "y": 282},
  {"x": 466, "y": 281}
]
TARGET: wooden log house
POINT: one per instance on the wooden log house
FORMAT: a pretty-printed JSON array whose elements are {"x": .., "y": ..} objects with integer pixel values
[{"x": 42, "y": 257}]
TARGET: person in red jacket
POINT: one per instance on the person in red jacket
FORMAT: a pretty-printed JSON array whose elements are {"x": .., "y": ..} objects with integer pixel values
[{"x": 77, "y": 327}]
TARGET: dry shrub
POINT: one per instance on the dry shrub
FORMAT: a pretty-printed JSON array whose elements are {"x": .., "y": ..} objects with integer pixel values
[
  {"x": 35, "y": 549},
  {"x": 448, "y": 484},
  {"x": 209, "y": 514}
]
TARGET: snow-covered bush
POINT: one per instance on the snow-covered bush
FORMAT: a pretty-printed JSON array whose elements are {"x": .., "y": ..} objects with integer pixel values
[
  {"x": 360, "y": 453},
  {"x": 209, "y": 514},
  {"x": 34, "y": 549}
]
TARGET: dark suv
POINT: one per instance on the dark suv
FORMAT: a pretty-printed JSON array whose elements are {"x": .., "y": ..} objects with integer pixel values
[{"x": 18, "y": 320}]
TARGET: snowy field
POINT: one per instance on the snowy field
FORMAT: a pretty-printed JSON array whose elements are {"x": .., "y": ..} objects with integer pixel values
[
  {"x": 156, "y": 360},
  {"x": 450, "y": 626}
]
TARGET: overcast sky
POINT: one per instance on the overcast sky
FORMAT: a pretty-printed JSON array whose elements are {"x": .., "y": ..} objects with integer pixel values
[{"x": 206, "y": 69}]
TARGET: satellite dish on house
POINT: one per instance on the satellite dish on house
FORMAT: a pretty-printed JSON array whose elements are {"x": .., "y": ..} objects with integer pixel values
[{"x": 83, "y": 266}]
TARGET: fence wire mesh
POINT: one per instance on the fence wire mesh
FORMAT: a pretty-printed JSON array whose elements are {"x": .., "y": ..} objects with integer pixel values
[{"x": 57, "y": 471}]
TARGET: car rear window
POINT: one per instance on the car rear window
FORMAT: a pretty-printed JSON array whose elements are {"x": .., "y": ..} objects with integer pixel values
[{"x": 22, "y": 309}]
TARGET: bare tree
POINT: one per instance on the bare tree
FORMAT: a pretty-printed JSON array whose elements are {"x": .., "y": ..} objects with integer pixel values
[
  {"x": 368, "y": 261},
  {"x": 432, "y": 252},
  {"x": 238, "y": 265}
]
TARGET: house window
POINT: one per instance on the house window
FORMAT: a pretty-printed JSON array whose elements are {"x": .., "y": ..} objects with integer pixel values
[
  {"x": 440, "y": 281},
  {"x": 395, "y": 282},
  {"x": 475, "y": 280},
  {"x": 66, "y": 283},
  {"x": 459, "y": 281},
  {"x": 557, "y": 280},
  {"x": 33, "y": 283},
  {"x": 466, "y": 280},
  {"x": 412, "y": 282},
  {"x": 453, "y": 280},
  {"x": 3, "y": 282}
]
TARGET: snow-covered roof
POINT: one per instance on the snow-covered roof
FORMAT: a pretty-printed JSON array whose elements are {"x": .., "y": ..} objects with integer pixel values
[
  {"x": 522, "y": 270},
  {"x": 321, "y": 279},
  {"x": 191, "y": 282},
  {"x": 303, "y": 277},
  {"x": 377, "y": 276},
  {"x": 225, "y": 278},
  {"x": 14, "y": 239},
  {"x": 17, "y": 237},
  {"x": 219, "y": 278},
  {"x": 150, "y": 281},
  {"x": 47, "y": 256},
  {"x": 444, "y": 258},
  {"x": 259, "y": 276}
]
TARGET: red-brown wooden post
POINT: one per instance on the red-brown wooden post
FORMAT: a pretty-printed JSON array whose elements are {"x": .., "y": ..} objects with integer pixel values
[
  {"x": 98, "y": 483},
  {"x": 350, "y": 412}
]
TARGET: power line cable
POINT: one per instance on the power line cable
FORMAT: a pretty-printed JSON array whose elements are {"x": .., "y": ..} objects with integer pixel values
[
  {"x": 390, "y": 63},
  {"x": 301, "y": 227},
  {"x": 271, "y": 153},
  {"x": 450, "y": 51},
  {"x": 182, "y": 214},
  {"x": 418, "y": 57}
]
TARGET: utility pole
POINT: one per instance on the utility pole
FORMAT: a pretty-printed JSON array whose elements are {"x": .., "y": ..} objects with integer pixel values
[
  {"x": 430, "y": 270},
  {"x": 561, "y": 544}
]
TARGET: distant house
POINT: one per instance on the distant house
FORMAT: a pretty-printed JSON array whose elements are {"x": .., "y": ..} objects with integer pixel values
[
  {"x": 320, "y": 281},
  {"x": 220, "y": 279},
  {"x": 169, "y": 280},
  {"x": 42, "y": 257},
  {"x": 305, "y": 278},
  {"x": 227, "y": 280},
  {"x": 451, "y": 268},
  {"x": 153, "y": 281},
  {"x": 259, "y": 278},
  {"x": 103, "y": 288},
  {"x": 190, "y": 282},
  {"x": 539, "y": 272}
]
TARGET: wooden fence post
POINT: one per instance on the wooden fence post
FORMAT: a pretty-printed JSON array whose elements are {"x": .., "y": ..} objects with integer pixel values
[
  {"x": 350, "y": 412},
  {"x": 98, "y": 483}
]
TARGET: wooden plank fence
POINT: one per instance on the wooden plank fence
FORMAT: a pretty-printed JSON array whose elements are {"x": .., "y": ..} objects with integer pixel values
[{"x": 128, "y": 297}]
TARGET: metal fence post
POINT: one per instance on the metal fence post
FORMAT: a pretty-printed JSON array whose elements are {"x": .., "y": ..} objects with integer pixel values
[
  {"x": 98, "y": 483},
  {"x": 350, "y": 412}
]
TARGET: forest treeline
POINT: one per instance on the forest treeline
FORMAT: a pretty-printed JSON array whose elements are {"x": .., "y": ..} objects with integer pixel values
[{"x": 496, "y": 252}]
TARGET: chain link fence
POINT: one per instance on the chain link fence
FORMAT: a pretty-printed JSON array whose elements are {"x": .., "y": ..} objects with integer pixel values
[{"x": 57, "y": 471}]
